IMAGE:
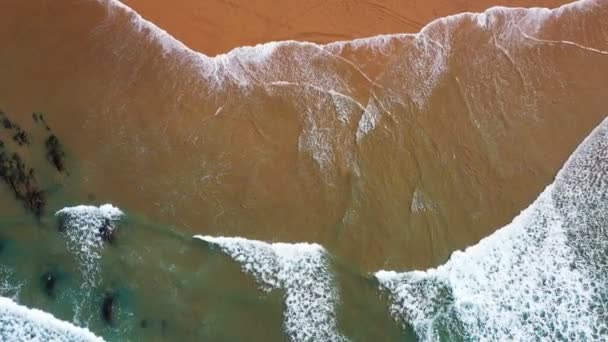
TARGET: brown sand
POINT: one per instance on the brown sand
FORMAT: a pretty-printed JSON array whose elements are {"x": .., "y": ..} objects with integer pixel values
[
  {"x": 217, "y": 26},
  {"x": 465, "y": 124}
]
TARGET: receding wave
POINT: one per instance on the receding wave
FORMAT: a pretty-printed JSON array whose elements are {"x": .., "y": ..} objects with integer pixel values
[{"x": 541, "y": 277}]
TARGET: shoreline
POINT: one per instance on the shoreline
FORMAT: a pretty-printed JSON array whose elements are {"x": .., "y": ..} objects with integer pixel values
[{"x": 183, "y": 31}]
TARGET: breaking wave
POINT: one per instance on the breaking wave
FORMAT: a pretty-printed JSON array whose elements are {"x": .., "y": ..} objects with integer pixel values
[
  {"x": 85, "y": 228},
  {"x": 542, "y": 276},
  {"x": 302, "y": 270},
  {"x": 19, "y": 323}
]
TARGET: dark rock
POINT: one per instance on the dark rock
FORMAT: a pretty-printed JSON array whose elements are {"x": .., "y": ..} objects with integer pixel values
[
  {"x": 62, "y": 224},
  {"x": 143, "y": 323},
  {"x": 106, "y": 231},
  {"x": 49, "y": 280},
  {"x": 107, "y": 308}
]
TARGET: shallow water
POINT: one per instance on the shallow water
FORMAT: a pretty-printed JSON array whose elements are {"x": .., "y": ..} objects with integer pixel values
[
  {"x": 382, "y": 150},
  {"x": 385, "y": 153}
]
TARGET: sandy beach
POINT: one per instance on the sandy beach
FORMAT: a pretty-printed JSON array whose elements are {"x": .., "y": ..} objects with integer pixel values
[{"x": 217, "y": 26}]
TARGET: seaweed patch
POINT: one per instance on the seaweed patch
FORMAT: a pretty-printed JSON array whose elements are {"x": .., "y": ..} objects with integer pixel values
[
  {"x": 54, "y": 149},
  {"x": 55, "y": 153},
  {"x": 16, "y": 174},
  {"x": 22, "y": 182},
  {"x": 39, "y": 119},
  {"x": 19, "y": 135}
]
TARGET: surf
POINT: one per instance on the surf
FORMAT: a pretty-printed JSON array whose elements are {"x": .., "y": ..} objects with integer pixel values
[{"x": 540, "y": 277}]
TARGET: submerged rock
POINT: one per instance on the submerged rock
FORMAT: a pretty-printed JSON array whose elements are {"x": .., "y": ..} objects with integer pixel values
[
  {"x": 107, "y": 308},
  {"x": 55, "y": 153},
  {"x": 22, "y": 182},
  {"x": 16, "y": 174},
  {"x": 49, "y": 281},
  {"x": 39, "y": 119},
  {"x": 107, "y": 231},
  {"x": 7, "y": 123},
  {"x": 20, "y": 136}
]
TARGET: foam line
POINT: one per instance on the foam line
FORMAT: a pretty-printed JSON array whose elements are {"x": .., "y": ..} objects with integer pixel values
[{"x": 261, "y": 51}]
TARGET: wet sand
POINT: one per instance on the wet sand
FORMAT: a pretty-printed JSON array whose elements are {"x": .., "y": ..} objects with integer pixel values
[
  {"x": 390, "y": 152},
  {"x": 217, "y": 26}
]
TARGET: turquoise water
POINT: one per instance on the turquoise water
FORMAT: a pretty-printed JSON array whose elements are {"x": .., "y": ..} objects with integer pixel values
[{"x": 166, "y": 286}]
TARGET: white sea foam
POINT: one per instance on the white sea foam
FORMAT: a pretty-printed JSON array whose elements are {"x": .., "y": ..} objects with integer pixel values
[
  {"x": 82, "y": 225},
  {"x": 541, "y": 277},
  {"x": 260, "y": 51},
  {"x": 370, "y": 118},
  {"x": 302, "y": 270},
  {"x": 305, "y": 73},
  {"x": 9, "y": 286},
  {"x": 421, "y": 202},
  {"x": 317, "y": 140},
  {"x": 251, "y": 64},
  {"x": 19, "y": 323}
]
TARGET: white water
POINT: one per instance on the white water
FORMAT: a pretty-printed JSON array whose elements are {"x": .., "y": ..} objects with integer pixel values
[
  {"x": 302, "y": 270},
  {"x": 542, "y": 276},
  {"x": 9, "y": 286},
  {"x": 19, "y": 323},
  {"x": 81, "y": 226}
]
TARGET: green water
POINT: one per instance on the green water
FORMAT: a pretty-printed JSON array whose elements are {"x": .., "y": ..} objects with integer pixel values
[
  {"x": 164, "y": 285},
  {"x": 168, "y": 286}
]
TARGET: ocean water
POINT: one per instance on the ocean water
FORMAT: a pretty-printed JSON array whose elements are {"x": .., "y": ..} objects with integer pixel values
[
  {"x": 539, "y": 278},
  {"x": 149, "y": 192}
]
